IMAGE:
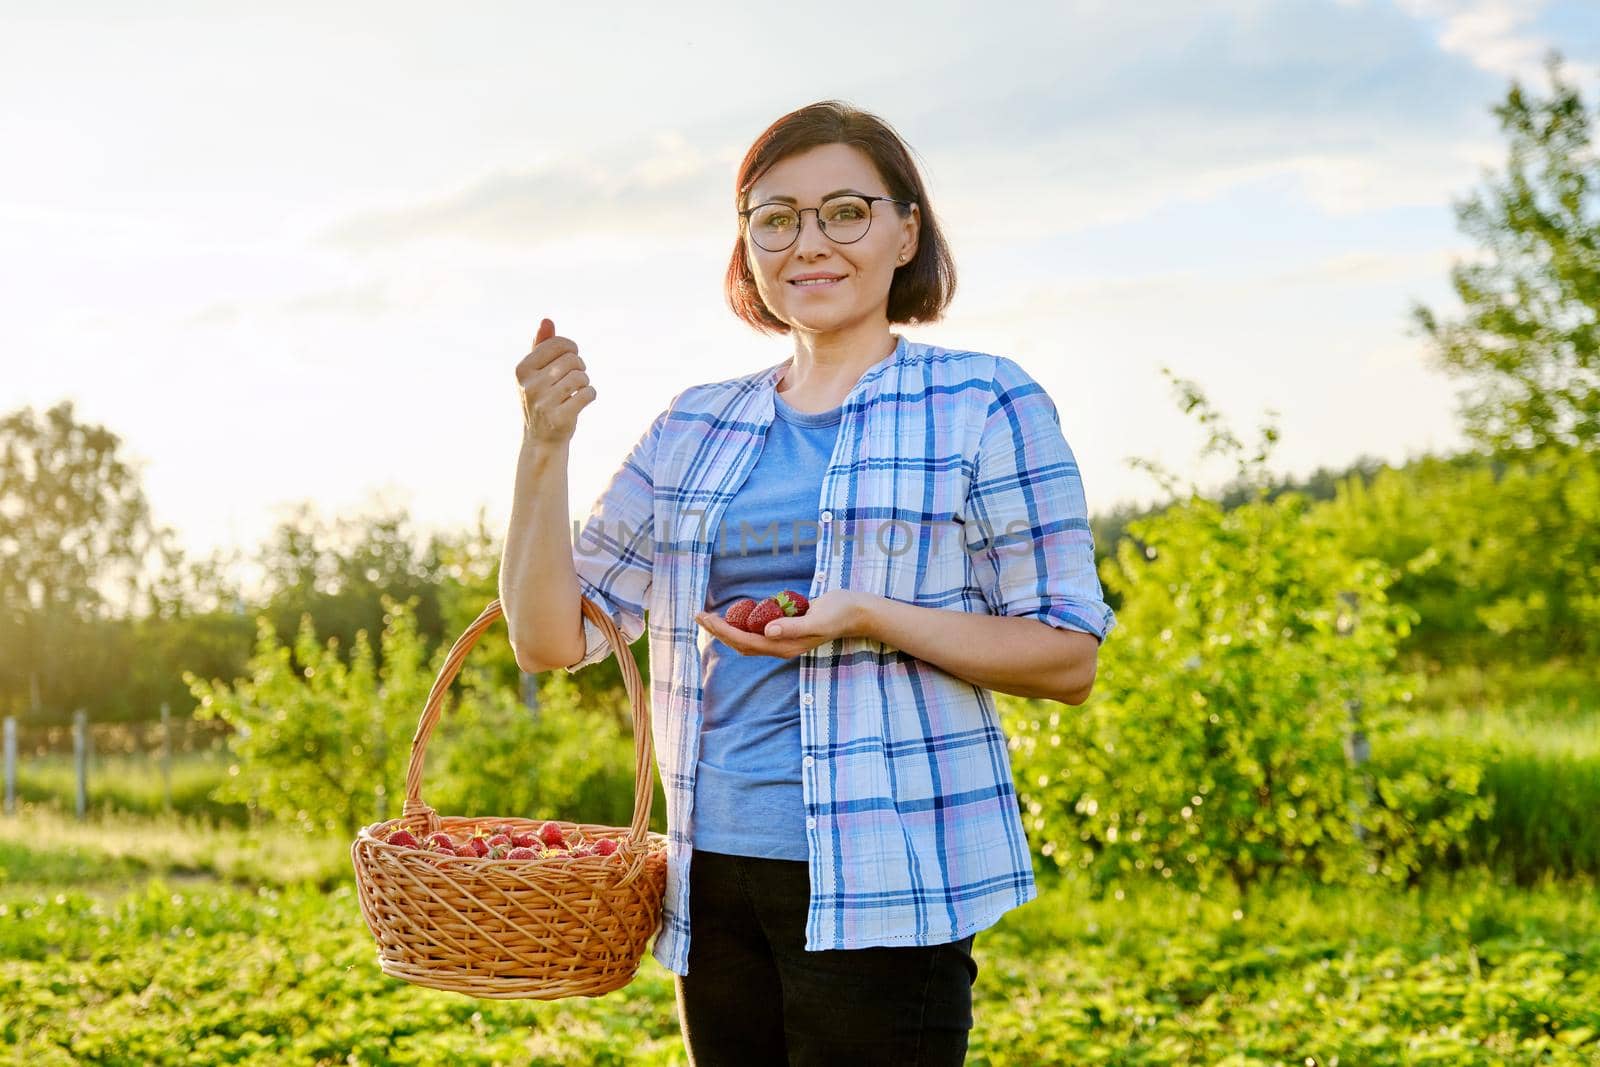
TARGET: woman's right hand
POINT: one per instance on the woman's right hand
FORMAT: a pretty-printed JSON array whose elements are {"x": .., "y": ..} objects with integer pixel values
[{"x": 555, "y": 387}]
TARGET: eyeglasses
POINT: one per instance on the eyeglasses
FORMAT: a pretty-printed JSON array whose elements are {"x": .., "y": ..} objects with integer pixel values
[{"x": 843, "y": 219}]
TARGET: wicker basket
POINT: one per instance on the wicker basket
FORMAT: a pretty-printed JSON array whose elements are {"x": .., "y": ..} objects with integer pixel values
[{"x": 538, "y": 929}]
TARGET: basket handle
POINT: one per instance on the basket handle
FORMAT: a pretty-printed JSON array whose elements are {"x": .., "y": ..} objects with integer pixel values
[{"x": 418, "y": 816}]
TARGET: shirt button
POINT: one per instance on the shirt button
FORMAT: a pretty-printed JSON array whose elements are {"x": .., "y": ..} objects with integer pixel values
[
  {"x": 805, "y": 698},
  {"x": 809, "y": 760},
  {"x": 811, "y": 822},
  {"x": 827, "y": 516}
]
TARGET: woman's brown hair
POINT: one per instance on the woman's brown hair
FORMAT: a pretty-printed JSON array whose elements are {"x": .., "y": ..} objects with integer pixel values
[{"x": 922, "y": 288}]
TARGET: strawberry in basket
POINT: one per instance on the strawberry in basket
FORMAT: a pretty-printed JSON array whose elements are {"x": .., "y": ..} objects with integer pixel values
[{"x": 484, "y": 906}]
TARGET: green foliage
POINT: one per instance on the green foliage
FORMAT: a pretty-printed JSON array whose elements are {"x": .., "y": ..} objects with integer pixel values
[
  {"x": 1458, "y": 971},
  {"x": 178, "y": 970},
  {"x": 1540, "y": 751},
  {"x": 1500, "y": 562},
  {"x": 1544, "y": 821},
  {"x": 1215, "y": 744},
  {"x": 75, "y": 529},
  {"x": 1428, "y": 799},
  {"x": 344, "y": 574},
  {"x": 325, "y": 745},
  {"x": 1527, "y": 340},
  {"x": 320, "y": 742},
  {"x": 567, "y": 760}
]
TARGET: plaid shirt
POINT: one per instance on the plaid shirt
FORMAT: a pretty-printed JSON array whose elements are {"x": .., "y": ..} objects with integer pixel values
[{"x": 950, "y": 487}]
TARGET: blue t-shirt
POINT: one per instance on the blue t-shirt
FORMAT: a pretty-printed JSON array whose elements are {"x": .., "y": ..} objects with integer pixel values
[{"x": 747, "y": 796}]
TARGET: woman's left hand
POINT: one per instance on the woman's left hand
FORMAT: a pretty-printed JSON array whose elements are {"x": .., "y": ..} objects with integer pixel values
[{"x": 834, "y": 614}]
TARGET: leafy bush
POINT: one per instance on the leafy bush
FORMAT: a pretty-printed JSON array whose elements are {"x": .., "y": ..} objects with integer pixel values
[
  {"x": 318, "y": 742},
  {"x": 569, "y": 759},
  {"x": 326, "y": 745},
  {"x": 1214, "y": 746}
]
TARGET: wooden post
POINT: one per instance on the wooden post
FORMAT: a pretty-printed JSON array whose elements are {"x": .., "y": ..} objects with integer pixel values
[
  {"x": 80, "y": 752},
  {"x": 166, "y": 757},
  {"x": 11, "y": 765}
]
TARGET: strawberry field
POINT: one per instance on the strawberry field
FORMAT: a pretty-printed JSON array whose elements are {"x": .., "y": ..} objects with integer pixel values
[
  {"x": 1268, "y": 838},
  {"x": 162, "y": 941}
]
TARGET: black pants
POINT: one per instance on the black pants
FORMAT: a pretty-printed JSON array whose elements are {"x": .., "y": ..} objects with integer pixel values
[{"x": 754, "y": 995}]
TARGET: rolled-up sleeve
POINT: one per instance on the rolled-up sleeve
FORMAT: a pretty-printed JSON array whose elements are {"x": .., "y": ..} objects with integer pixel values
[
  {"x": 1027, "y": 530},
  {"x": 614, "y": 553}
]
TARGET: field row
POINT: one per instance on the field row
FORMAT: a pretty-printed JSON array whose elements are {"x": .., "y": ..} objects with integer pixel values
[{"x": 152, "y": 959}]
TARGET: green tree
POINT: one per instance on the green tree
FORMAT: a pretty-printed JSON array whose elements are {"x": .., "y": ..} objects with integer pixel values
[
  {"x": 75, "y": 530},
  {"x": 341, "y": 572},
  {"x": 1528, "y": 340}
]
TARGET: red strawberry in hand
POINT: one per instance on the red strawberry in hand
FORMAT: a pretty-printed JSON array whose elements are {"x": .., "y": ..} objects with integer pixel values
[
  {"x": 739, "y": 613},
  {"x": 762, "y": 614},
  {"x": 785, "y": 605}
]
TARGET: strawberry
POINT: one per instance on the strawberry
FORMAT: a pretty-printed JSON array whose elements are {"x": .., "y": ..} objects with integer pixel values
[
  {"x": 762, "y": 614},
  {"x": 403, "y": 838},
  {"x": 528, "y": 840},
  {"x": 785, "y": 605},
  {"x": 550, "y": 833},
  {"x": 793, "y": 602},
  {"x": 584, "y": 850},
  {"x": 604, "y": 847},
  {"x": 479, "y": 845},
  {"x": 739, "y": 612},
  {"x": 440, "y": 839},
  {"x": 502, "y": 840},
  {"x": 498, "y": 852},
  {"x": 522, "y": 852}
]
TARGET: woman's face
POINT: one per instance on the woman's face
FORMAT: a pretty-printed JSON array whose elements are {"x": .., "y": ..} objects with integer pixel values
[{"x": 866, "y": 266}]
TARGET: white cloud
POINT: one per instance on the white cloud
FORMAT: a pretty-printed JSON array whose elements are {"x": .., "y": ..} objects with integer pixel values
[{"x": 1495, "y": 36}]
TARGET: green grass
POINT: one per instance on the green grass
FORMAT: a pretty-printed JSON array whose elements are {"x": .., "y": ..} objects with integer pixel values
[
  {"x": 1554, "y": 691},
  {"x": 129, "y": 951},
  {"x": 130, "y": 784},
  {"x": 1538, "y": 733},
  {"x": 43, "y": 846}
]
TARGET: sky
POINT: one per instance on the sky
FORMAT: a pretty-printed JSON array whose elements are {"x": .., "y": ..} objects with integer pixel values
[{"x": 294, "y": 252}]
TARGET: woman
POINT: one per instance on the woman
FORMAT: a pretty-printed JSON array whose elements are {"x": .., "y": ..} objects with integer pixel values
[{"x": 841, "y": 816}]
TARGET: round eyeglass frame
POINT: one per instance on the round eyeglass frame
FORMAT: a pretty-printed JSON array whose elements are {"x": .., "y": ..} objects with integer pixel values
[{"x": 800, "y": 220}]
